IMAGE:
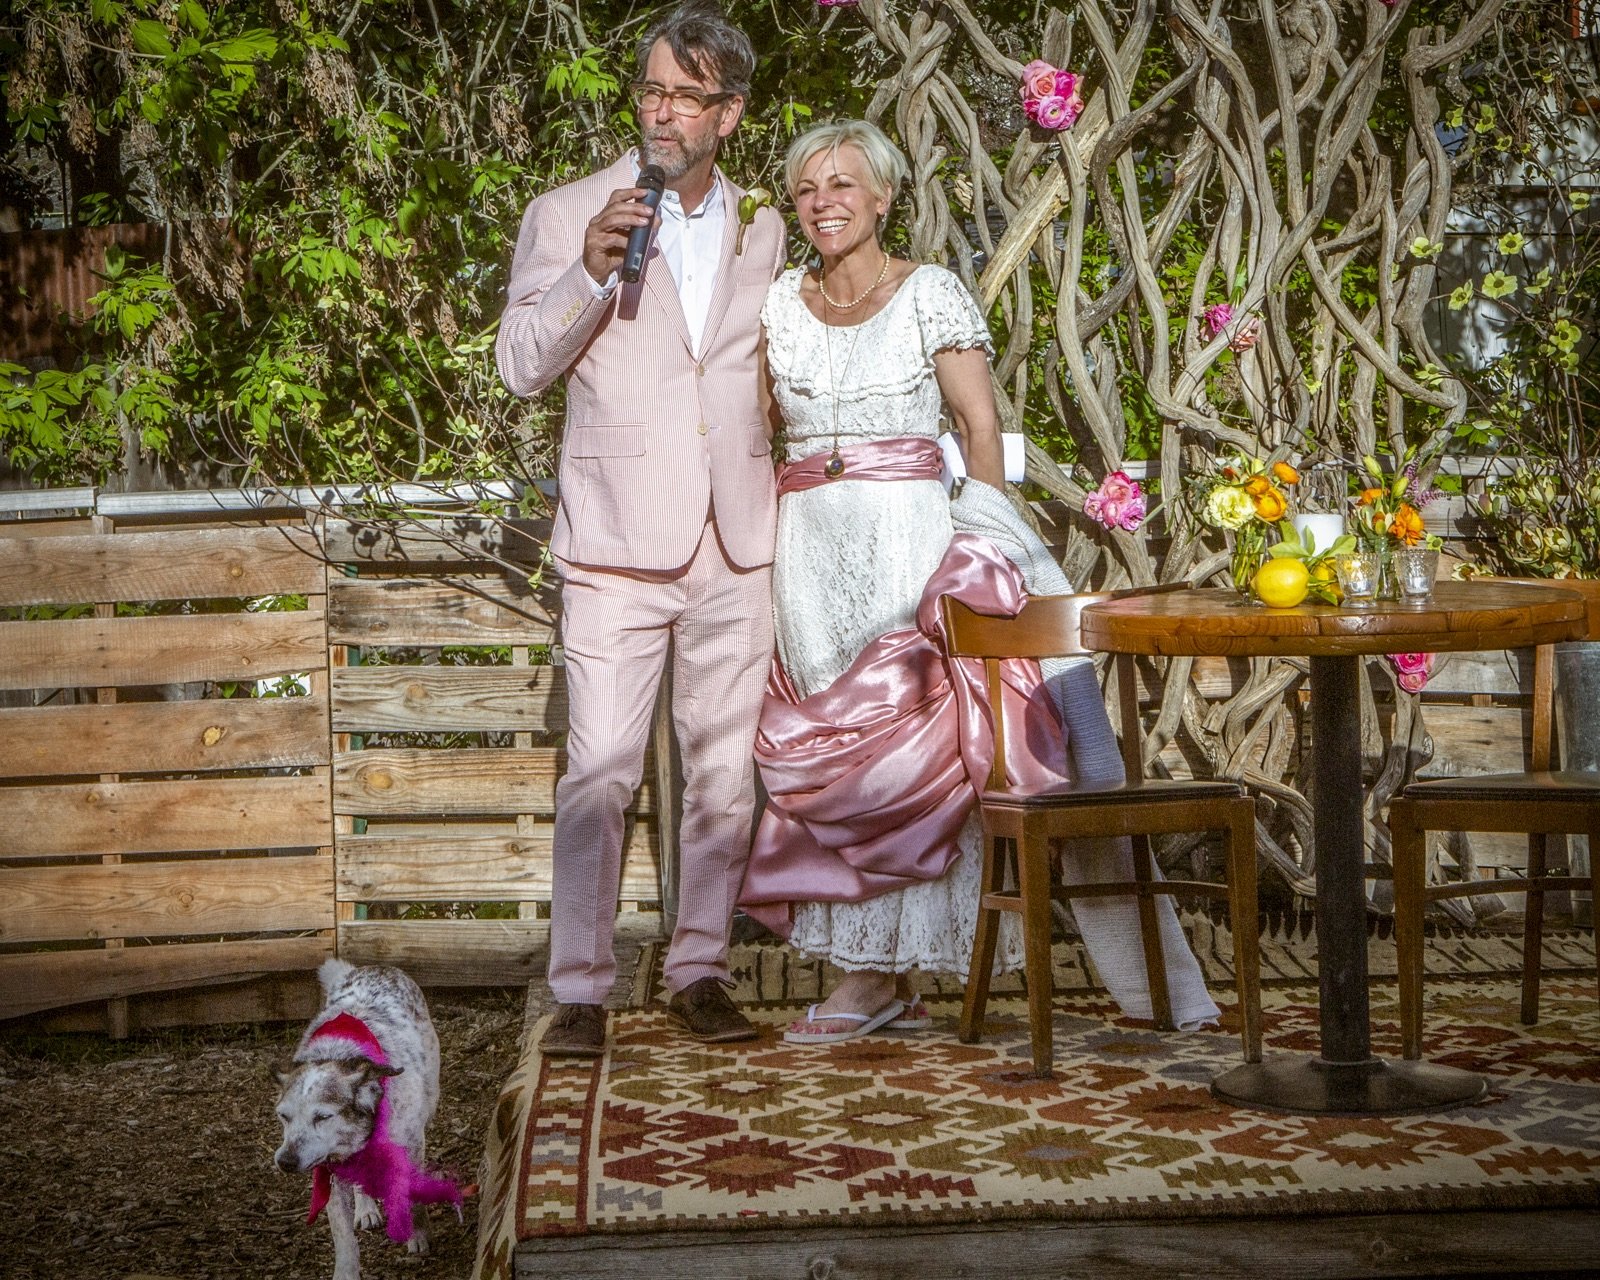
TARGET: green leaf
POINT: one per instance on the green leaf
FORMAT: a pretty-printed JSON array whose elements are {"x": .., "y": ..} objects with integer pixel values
[
  {"x": 150, "y": 37},
  {"x": 194, "y": 17}
]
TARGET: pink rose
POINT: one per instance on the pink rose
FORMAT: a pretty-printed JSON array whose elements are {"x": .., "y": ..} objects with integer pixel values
[
  {"x": 1245, "y": 336},
  {"x": 1216, "y": 318},
  {"x": 1066, "y": 85},
  {"x": 1038, "y": 79},
  {"x": 1030, "y": 108},
  {"x": 1411, "y": 670},
  {"x": 1118, "y": 503},
  {"x": 1056, "y": 112}
]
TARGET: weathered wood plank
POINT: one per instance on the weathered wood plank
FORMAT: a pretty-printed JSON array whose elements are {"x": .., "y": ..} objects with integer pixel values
[
  {"x": 451, "y": 953},
  {"x": 473, "y": 867},
  {"x": 168, "y": 565},
  {"x": 277, "y": 998},
  {"x": 165, "y": 817},
  {"x": 419, "y": 782},
  {"x": 417, "y": 611},
  {"x": 445, "y": 699},
  {"x": 96, "y": 652},
  {"x": 435, "y": 540},
  {"x": 53, "y": 979},
  {"x": 164, "y": 899},
  {"x": 163, "y": 737},
  {"x": 1301, "y": 1246}
]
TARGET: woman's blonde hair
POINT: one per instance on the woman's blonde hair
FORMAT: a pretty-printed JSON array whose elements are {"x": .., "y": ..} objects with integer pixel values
[{"x": 885, "y": 162}]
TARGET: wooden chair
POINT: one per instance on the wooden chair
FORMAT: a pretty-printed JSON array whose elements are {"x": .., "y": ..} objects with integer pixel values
[
  {"x": 1540, "y": 802},
  {"x": 1029, "y": 819}
]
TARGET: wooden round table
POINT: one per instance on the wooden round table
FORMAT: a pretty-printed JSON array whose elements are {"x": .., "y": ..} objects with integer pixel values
[{"x": 1345, "y": 1078}]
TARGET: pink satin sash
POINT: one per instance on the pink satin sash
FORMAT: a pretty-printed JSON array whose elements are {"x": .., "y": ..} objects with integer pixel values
[
  {"x": 871, "y": 779},
  {"x": 899, "y": 458}
]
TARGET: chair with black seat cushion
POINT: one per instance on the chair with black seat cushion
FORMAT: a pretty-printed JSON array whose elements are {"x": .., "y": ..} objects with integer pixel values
[
  {"x": 1540, "y": 802},
  {"x": 1025, "y": 821}
]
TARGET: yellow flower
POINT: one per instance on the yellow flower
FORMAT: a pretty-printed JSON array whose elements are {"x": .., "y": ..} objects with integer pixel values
[
  {"x": 1285, "y": 473},
  {"x": 1498, "y": 284},
  {"x": 1539, "y": 283},
  {"x": 1255, "y": 486},
  {"x": 1228, "y": 507},
  {"x": 1579, "y": 200},
  {"x": 1422, "y": 247},
  {"x": 1485, "y": 121},
  {"x": 1407, "y": 524},
  {"x": 1459, "y": 297},
  {"x": 1512, "y": 242}
]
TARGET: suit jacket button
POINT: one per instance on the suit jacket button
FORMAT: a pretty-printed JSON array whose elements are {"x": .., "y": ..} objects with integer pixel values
[
  {"x": 701, "y": 428},
  {"x": 699, "y": 371}
]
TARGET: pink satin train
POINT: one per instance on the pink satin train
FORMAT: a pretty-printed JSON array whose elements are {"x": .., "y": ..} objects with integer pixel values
[{"x": 871, "y": 779}]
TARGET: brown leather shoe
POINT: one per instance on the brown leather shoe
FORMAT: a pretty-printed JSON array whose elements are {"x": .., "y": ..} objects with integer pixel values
[
  {"x": 576, "y": 1031},
  {"x": 706, "y": 1011}
]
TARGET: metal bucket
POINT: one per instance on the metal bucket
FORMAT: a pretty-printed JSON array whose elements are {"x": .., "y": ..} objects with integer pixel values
[{"x": 1578, "y": 717}]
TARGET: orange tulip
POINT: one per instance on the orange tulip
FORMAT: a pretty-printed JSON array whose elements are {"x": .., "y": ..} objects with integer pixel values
[
  {"x": 1369, "y": 496},
  {"x": 1255, "y": 486},
  {"x": 1407, "y": 525},
  {"x": 1285, "y": 473},
  {"x": 1271, "y": 505}
]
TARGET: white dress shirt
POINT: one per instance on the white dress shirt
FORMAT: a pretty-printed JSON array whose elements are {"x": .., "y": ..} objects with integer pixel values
[{"x": 691, "y": 246}]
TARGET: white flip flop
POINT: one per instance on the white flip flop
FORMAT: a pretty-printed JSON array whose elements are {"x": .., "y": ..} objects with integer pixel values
[
  {"x": 916, "y": 1018},
  {"x": 864, "y": 1023}
]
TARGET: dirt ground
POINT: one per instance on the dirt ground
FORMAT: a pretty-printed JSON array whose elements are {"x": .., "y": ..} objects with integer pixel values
[{"x": 152, "y": 1156}]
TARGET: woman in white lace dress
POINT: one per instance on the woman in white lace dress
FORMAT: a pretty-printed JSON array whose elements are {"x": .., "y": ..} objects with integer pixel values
[{"x": 867, "y": 350}]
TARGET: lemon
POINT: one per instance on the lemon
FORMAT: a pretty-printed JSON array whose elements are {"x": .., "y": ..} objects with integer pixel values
[{"x": 1282, "y": 582}]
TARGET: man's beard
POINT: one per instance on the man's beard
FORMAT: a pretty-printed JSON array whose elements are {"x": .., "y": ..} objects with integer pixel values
[{"x": 675, "y": 161}]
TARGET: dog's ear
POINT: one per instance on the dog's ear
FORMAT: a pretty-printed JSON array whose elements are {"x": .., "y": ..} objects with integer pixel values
[
  {"x": 371, "y": 1070},
  {"x": 282, "y": 1072}
]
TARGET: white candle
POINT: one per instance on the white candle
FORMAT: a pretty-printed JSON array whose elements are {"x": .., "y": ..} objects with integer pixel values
[{"x": 1319, "y": 530}]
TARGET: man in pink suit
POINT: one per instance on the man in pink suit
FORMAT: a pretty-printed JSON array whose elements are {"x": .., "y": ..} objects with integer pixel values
[{"x": 666, "y": 523}]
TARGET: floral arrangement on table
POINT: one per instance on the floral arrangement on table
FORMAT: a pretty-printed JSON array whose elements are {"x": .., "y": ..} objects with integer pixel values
[
  {"x": 1248, "y": 499},
  {"x": 1050, "y": 97},
  {"x": 1411, "y": 670},
  {"x": 1389, "y": 512}
]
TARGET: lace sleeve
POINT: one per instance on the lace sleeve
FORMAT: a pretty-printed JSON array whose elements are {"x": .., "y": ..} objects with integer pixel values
[{"x": 947, "y": 315}]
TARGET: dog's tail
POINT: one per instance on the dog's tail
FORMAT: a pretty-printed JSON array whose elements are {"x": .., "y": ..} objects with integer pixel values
[{"x": 334, "y": 971}]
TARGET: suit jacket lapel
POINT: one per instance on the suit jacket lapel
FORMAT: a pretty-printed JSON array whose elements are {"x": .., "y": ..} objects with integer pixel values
[
  {"x": 722, "y": 295},
  {"x": 658, "y": 279}
]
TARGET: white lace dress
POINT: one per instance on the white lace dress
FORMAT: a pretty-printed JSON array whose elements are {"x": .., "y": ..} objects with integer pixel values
[{"x": 853, "y": 557}]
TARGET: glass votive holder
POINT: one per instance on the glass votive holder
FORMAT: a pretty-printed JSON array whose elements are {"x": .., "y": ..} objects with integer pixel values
[
  {"x": 1358, "y": 578},
  {"x": 1416, "y": 568}
]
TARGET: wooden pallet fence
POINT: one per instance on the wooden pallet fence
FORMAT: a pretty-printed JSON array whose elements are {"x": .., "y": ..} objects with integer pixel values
[
  {"x": 164, "y": 830},
  {"x": 449, "y": 718}
]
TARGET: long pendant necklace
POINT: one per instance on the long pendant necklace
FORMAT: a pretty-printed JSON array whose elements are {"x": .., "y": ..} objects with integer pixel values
[{"x": 834, "y": 467}]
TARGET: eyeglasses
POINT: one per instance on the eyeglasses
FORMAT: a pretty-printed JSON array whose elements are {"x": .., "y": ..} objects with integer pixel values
[{"x": 683, "y": 102}]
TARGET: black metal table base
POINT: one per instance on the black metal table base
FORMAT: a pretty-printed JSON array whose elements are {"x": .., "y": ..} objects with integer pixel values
[{"x": 1371, "y": 1088}]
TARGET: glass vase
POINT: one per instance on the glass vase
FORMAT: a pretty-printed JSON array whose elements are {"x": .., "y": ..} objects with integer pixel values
[
  {"x": 1388, "y": 576},
  {"x": 1249, "y": 550}
]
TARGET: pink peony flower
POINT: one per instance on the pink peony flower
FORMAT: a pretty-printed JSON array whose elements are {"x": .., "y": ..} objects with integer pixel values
[
  {"x": 1066, "y": 85},
  {"x": 1030, "y": 108},
  {"x": 1412, "y": 670},
  {"x": 1039, "y": 79},
  {"x": 1118, "y": 503},
  {"x": 1216, "y": 318},
  {"x": 1056, "y": 112}
]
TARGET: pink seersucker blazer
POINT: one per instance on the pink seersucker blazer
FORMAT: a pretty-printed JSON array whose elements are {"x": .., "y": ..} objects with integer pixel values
[{"x": 654, "y": 439}]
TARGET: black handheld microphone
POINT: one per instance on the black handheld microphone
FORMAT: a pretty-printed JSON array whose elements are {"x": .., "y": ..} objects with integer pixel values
[{"x": 652, "y": 180}]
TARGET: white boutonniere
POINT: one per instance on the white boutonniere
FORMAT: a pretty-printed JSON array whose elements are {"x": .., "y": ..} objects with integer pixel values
[{"x": 749, "y": 202}]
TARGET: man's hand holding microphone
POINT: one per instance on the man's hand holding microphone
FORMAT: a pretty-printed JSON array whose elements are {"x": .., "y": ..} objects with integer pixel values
[{"x": 619, "y": 235}]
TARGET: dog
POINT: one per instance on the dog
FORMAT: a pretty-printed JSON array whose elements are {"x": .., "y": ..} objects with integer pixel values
[{"x": 355, "y": 1104}]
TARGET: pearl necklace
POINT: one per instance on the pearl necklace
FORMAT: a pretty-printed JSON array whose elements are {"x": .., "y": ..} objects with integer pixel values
[{"x": 822, "y": 288}]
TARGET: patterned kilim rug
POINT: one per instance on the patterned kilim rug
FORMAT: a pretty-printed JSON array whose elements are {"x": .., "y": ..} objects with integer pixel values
[{"x": 664, "y": 1134}]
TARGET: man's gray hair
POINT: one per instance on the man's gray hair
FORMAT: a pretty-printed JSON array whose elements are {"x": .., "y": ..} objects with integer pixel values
[
  {"x": 706, "y": 45},
  {"x": 886, "y": 163}
]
